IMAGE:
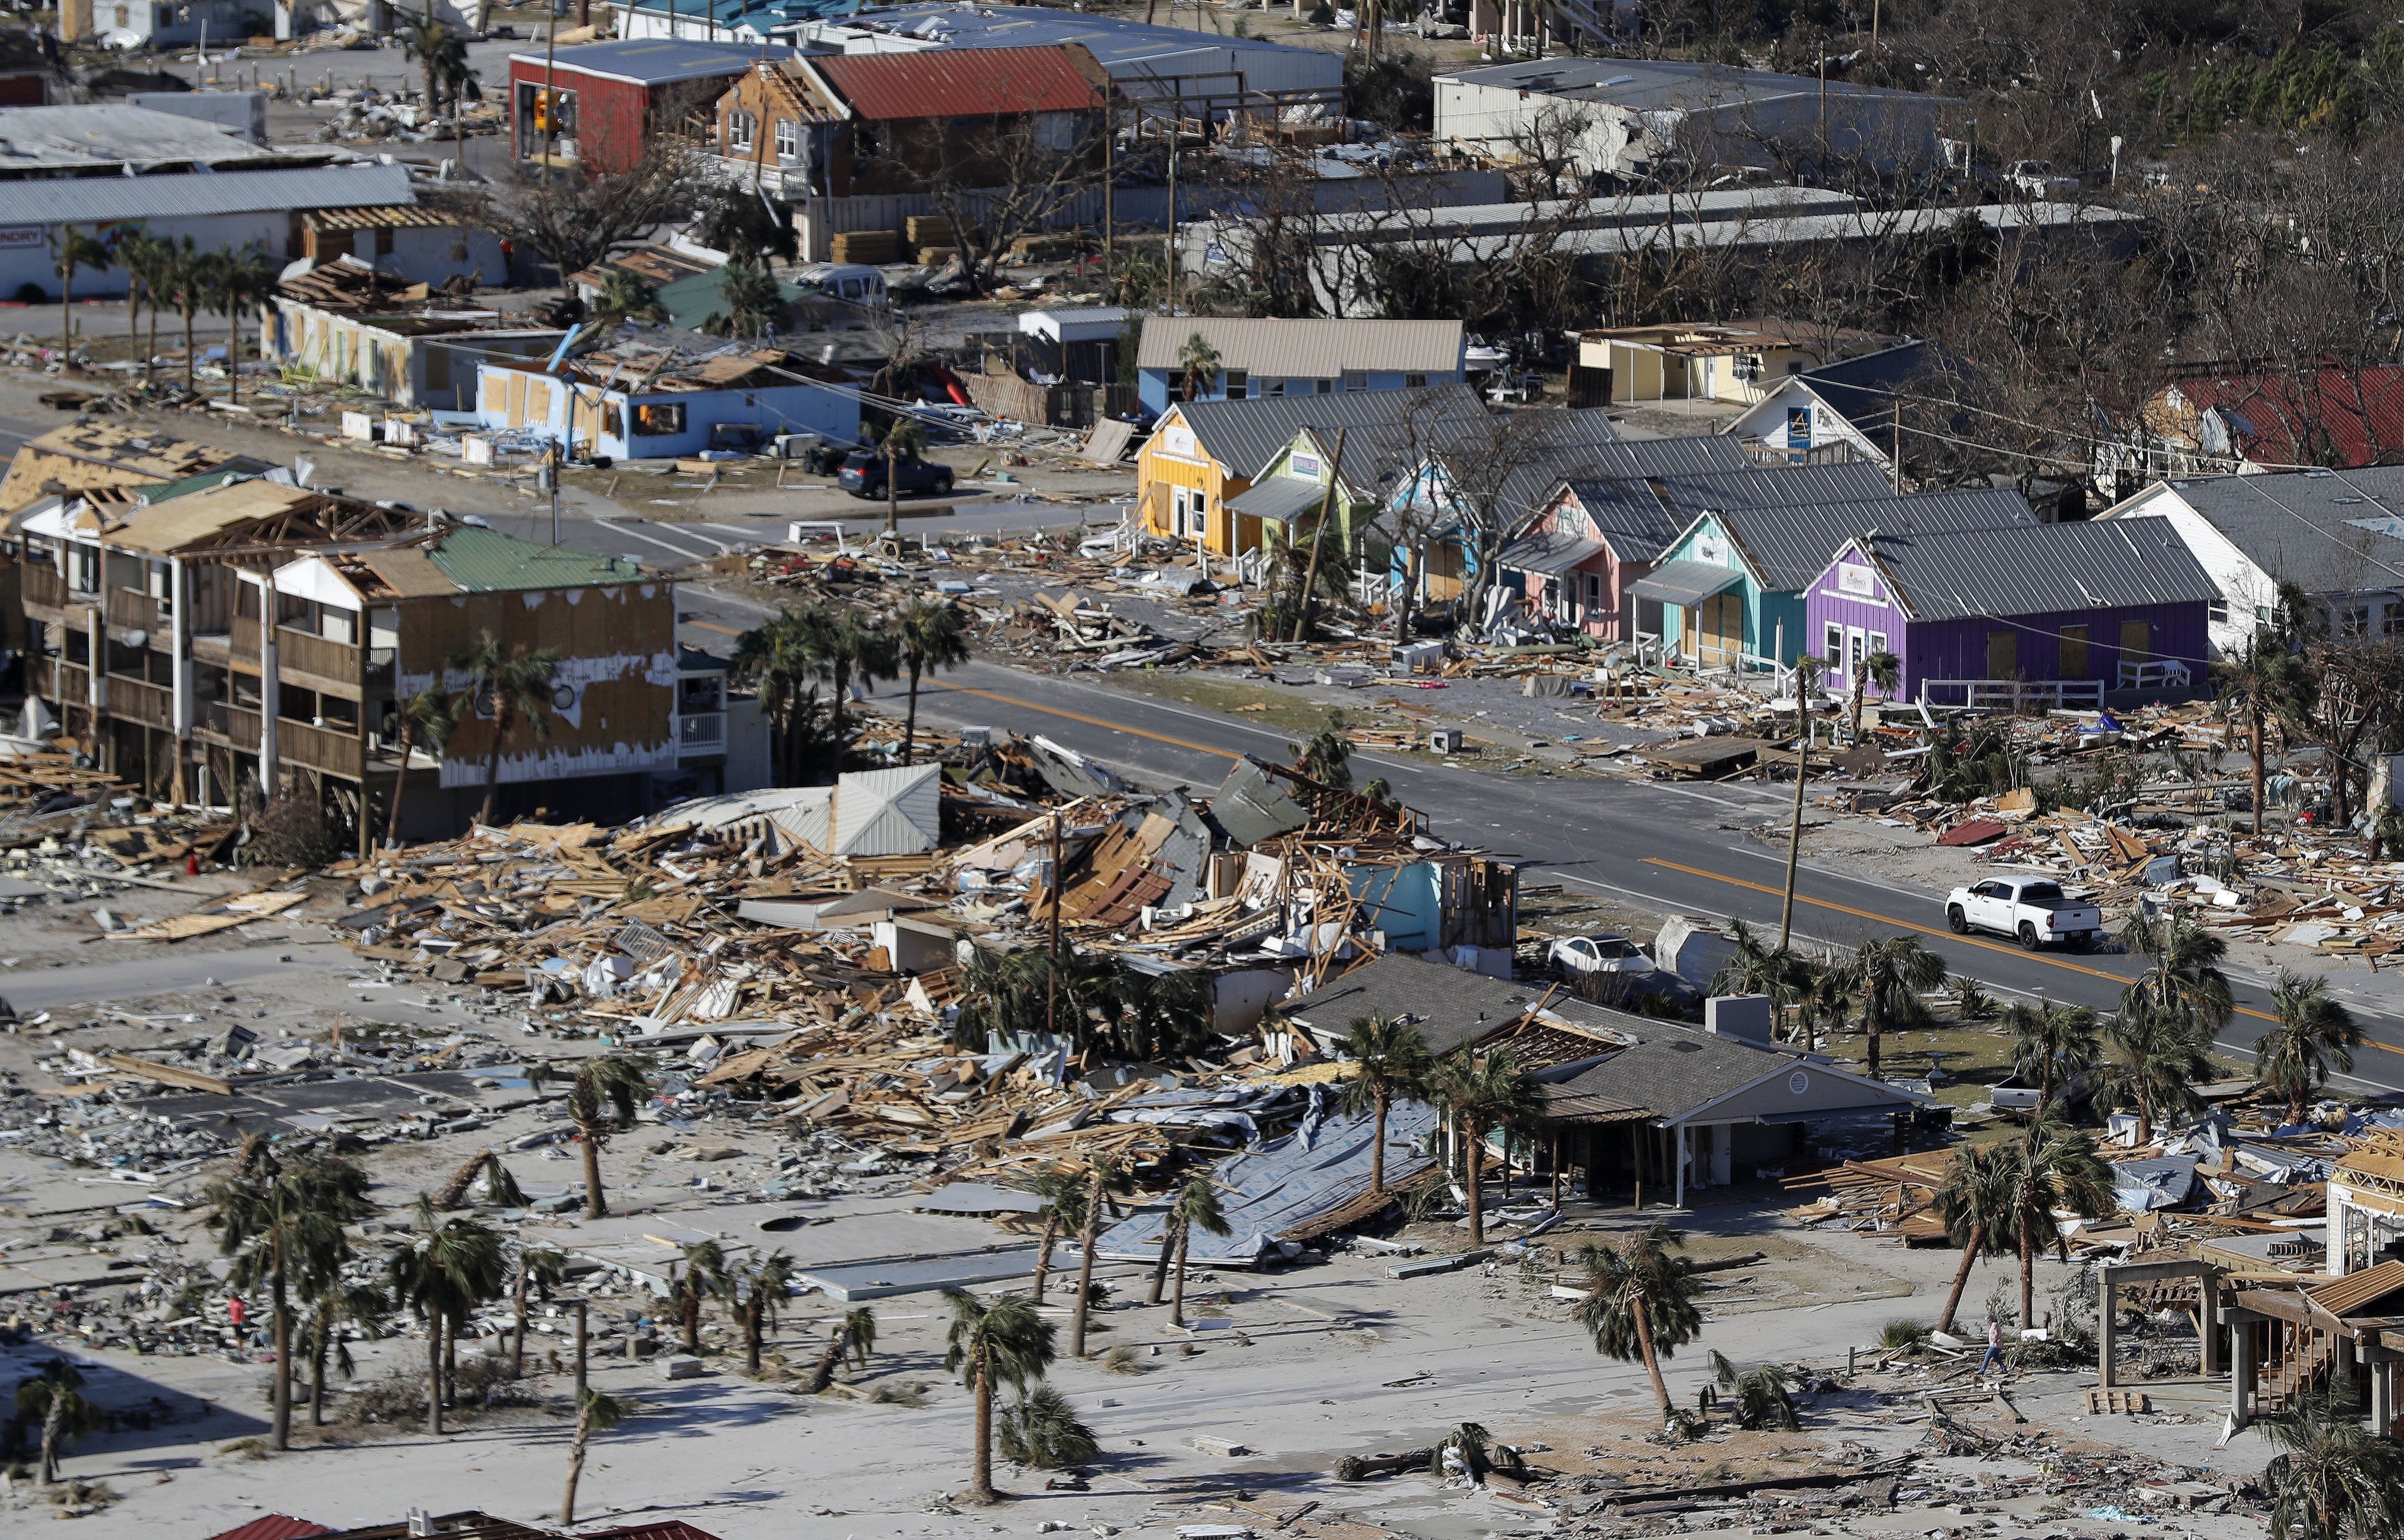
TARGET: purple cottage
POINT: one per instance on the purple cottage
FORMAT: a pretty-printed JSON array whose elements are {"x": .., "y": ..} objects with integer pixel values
[{"x": 2090, "y": 605}]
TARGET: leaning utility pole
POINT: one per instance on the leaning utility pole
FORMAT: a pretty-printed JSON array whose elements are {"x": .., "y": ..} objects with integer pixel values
[{"x": 1803, "y": 671}]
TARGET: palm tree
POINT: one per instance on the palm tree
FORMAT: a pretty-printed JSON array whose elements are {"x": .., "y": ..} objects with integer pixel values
[
  {"x": 1197, "y": 1204},
  {"x": 422, "y": 39},
  {"x": 933, "y": 635},
  {"x": 75, "y": 249},
  {"x": 1975, "y": 1202},
  {"x": 427, "y": 717},
  {"x": 2314, "y": 1035},
  {"x": 905, "y": 440},
  {"x": 1889, "y": 975},
  {"x": 611, "y": 1084},
  {"x": 2333, "y": 1479},
  {"x": 628, "y": 298},
  {"x": 784, "y": 657},
  {"x": 460, "y": 84},
  {"x": 863, "y": 649},
  {"x": 1882, "y": 668},
  {"x": 594, "y": 1413},
  {"x": 286, "y": 1230},
  {"x": 1060, "y": 1199},
  {"x": 1484, "y": 1094},
  {"x": 341, "y": 1308},
  {"x": 754, "y": 304},
  {"x": 455, "y": 1265},
  {"x": 2158, "y": 1058},
  {"x": 1825, "y": 1007},
  {"x": 240, "y": 282},
  {"x": 1000, "y": 1341},
  {"x": 2185, "y": 976},
  {"x": 2051, "y": 1041},
  {"x": 1757, "y": 968},
  {"x": 1200, "y": 362},
  {"x": 2052, "y": 1165},
  {"x": 544, "y": 1269},
  {"x": 1390, "y": 1063},
  {"x": 1764, "y": 1393},
  {"x": 147, "y": 259},
  {"x": 855, "y": 1338},
  {"x": 516, "y": 687},
  {"x": 704, "y": 1274},
  {"x": 2266, "y": 680},
  {"x": 54, "y": 1392},
  {"x": 1640, "y": 1301},
  {"x": 1326, "y": 755},
  {"x": 754, "y": 1292},
  {"x": 1102, "y": 1178},
  {"x": 185, "y": 279}
]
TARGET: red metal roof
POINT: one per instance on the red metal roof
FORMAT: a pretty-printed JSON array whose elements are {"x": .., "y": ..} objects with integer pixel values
[
  {"x": 275, "y": 1526},
  {"x": 2343, "y": 418},
  {"x": 667, "y": 1529},
  {"x": 960, "y": 82}
]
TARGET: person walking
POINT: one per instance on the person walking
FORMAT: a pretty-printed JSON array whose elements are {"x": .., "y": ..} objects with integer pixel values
[
  {"x": 238, "y": 1317},
  {"x": 1995, "y": 1346}
]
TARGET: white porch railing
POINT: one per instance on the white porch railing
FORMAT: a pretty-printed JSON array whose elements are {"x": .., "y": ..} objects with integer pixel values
[
  {"x": 2013, "y": 695},
  {"x": 702, "y": 732},
  {"x": 2154, "y": 675}
]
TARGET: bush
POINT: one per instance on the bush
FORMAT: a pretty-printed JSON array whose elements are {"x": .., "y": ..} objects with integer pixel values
[
  {"x": 1395, "y": 91},
  {"x": 1903, "y": 1334},
  {"x": 1042, "y": 1430},
  {"x": 293, "y": 830}
]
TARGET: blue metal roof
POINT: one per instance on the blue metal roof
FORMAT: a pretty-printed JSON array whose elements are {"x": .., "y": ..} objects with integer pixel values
[{"x": 660, "y": 60}]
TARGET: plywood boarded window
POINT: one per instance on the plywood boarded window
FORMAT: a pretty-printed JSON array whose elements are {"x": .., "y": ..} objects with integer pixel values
[
  {"x": 584, "y": 414},
  {"x": 1442, "y": 571},
  {"x": 516, "y": 412},
  {"x": 2003, "y": 654},
  {"x": 2074, "y": 653},
  {"x": 538, "y": 402},
  {"x": 1719, "y": 640},
  {"x": 2136, "y": 641}
]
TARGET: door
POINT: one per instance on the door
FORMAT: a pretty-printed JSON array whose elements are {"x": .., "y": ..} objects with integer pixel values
[
  {"x": 2003, "y": 654},
  {"x": 1720, "y": 630},
  {"x": 1856, "y": 648},
  {"x": 2074, "y": 653},
  {"x": 1989, "y": 906}
]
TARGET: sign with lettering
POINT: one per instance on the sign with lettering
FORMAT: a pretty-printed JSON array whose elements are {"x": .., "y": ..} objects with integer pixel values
[
  {"x": 1855, "y": 580},
  {"x": 19, "y": 237}
]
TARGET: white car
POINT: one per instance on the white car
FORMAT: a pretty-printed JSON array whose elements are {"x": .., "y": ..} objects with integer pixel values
[{"x": 1598, "y": 954}]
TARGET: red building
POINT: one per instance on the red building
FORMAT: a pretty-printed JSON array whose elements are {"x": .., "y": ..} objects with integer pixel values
[
  {"x": 597, "y": 103},
  {"x": 24, "y": 72}
]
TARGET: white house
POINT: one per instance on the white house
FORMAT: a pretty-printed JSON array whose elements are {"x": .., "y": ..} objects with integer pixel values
[{"x": 2338, "y": 534}]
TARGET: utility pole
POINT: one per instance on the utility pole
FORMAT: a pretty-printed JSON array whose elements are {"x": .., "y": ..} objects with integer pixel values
[
  {"x": 581, "y": 1306},
  {"x": 1896, "y": 448},
  {"x": 1803, "y": 671},
  {"x": 1176, "y": 125},
  {"x": 1109, "y": 181}
]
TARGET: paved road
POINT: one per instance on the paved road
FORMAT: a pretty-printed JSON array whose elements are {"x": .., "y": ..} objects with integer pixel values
[{"x": 1663, "y": 847}]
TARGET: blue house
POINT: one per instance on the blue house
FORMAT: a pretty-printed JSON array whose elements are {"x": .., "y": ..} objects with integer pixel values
[
  {"x": 604, "y": 405},
  {"x": 1248, "y": 358},
  {"x": 1729, "y": 591}
]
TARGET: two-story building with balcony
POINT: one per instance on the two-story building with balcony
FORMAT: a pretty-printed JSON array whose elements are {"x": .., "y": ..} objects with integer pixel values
[{"x": 261, "y": 632}]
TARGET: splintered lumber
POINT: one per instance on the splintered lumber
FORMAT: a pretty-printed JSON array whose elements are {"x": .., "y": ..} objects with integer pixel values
[
  {"x": 169, "y": 1074},
  {"x": 223, "y": 915}
]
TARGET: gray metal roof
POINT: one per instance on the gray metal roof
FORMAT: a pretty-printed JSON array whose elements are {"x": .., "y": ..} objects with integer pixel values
[
  {"x": 1305, "y": 349},
  {"x": 1548, "y": 551},
  {"x": 1245, "y": 435},
  {"x": 2332, "y": 532},
  {"x": 1585, "y": 445},
  {"x": 1639, "y": 514},
  {"x": 1652, "y": 84},
  {"x": 41, "y": 140},
  {"x": 87, "y": 200},
  {"x": 2041, "y": 568},
  {"x": 1280, "y": 498},
  {"x": 656, "y": 60},
  {"x": 1685, "y": 583},
  {"x": 1790, "y": 546}
]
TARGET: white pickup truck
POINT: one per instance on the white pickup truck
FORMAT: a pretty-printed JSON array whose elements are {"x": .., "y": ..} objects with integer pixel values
[{"x": 2030, "y": 909}]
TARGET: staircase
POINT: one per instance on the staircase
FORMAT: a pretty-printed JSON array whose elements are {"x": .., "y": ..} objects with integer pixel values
[{"x": 2305, "y": 1369}]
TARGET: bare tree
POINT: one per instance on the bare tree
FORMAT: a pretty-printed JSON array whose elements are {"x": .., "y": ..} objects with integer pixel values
[
  {"x": 1000, "y": 178},
  {"x": 572, "y": 220}
]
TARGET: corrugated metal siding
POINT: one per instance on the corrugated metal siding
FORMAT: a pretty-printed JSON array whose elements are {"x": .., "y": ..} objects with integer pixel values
[
  {"x": 195, "y": 194},
  {"x": 968, "y": 83},
  {"x": 1321, "y": 350}
]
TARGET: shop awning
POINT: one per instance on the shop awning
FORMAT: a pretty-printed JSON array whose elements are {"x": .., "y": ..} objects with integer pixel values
[
  {"x": 1685, "y": 583},
  {"x": 1280, "y": 498},
  {"x": 1549, "y": 554}
]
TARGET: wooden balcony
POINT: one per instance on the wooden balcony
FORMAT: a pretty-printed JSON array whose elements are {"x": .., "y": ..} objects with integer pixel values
[
  {"x": 129, "y": 610},
  {"x": 132, "y": 700},
  {"x": 236, "y": 725},
  {"x": 74, "y": 682},
  {"x": 243, "y": 642},
  {"x": 319, "y": 747},
  {"x": 314, "y": 661},
  {"x": 42, "y": 585}
]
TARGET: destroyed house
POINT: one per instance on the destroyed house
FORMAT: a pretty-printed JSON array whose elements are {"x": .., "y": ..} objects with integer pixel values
[
  {"x": 2111, "y": 605},
  {"x": 350, "y": 323},
  {"x": 1630, "y": 1099},
  {"x": 1729, "y": 591},
  {"x": 647, "y": 401},
  {"x": 846, "y": 125},
  {"x": 1599, "y": 534},
  {"x": 2366, "y": 1202},
  {"x": 153, "y": 651}
]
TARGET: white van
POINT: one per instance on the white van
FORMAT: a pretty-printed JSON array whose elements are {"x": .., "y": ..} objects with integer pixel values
[{"x": 853, "y": 282}]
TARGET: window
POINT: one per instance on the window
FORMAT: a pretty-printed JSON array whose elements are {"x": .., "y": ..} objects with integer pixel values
[
  {"x": 2353, "y": 620},
  {"x": 1326, "y": 386},
  {"x": 1355, "y": 379},
  {"x": 1272, "y": 387},
  {"x": 2074, "y": 653},
  {"x": 1235, "y": 383},
  {"x": 2219, "y": 608},
  {"x": 789, "y": 138},
  {"x": 741, "y": 130},
  {"x": 1878, "y": 641},
  {"x": 1593, "y": 592},
  {"x": 1199, "y": 518},
  {"x": 1414, "y": 381},
  {"x": 1835, "y": 650},
  {"x": 659, "y": 420}
]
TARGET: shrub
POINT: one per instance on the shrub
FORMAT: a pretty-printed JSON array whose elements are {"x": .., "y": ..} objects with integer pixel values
[{"x": 1042, "y": 1430}]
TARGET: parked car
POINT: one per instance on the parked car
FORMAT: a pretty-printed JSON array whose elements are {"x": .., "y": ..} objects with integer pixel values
[
  {"x": 863, "y": 475},
  {"x": 1598, "y": 954},
  {"x": 2030, "y": 910},
  {"x": 2038, "y": 179}
]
